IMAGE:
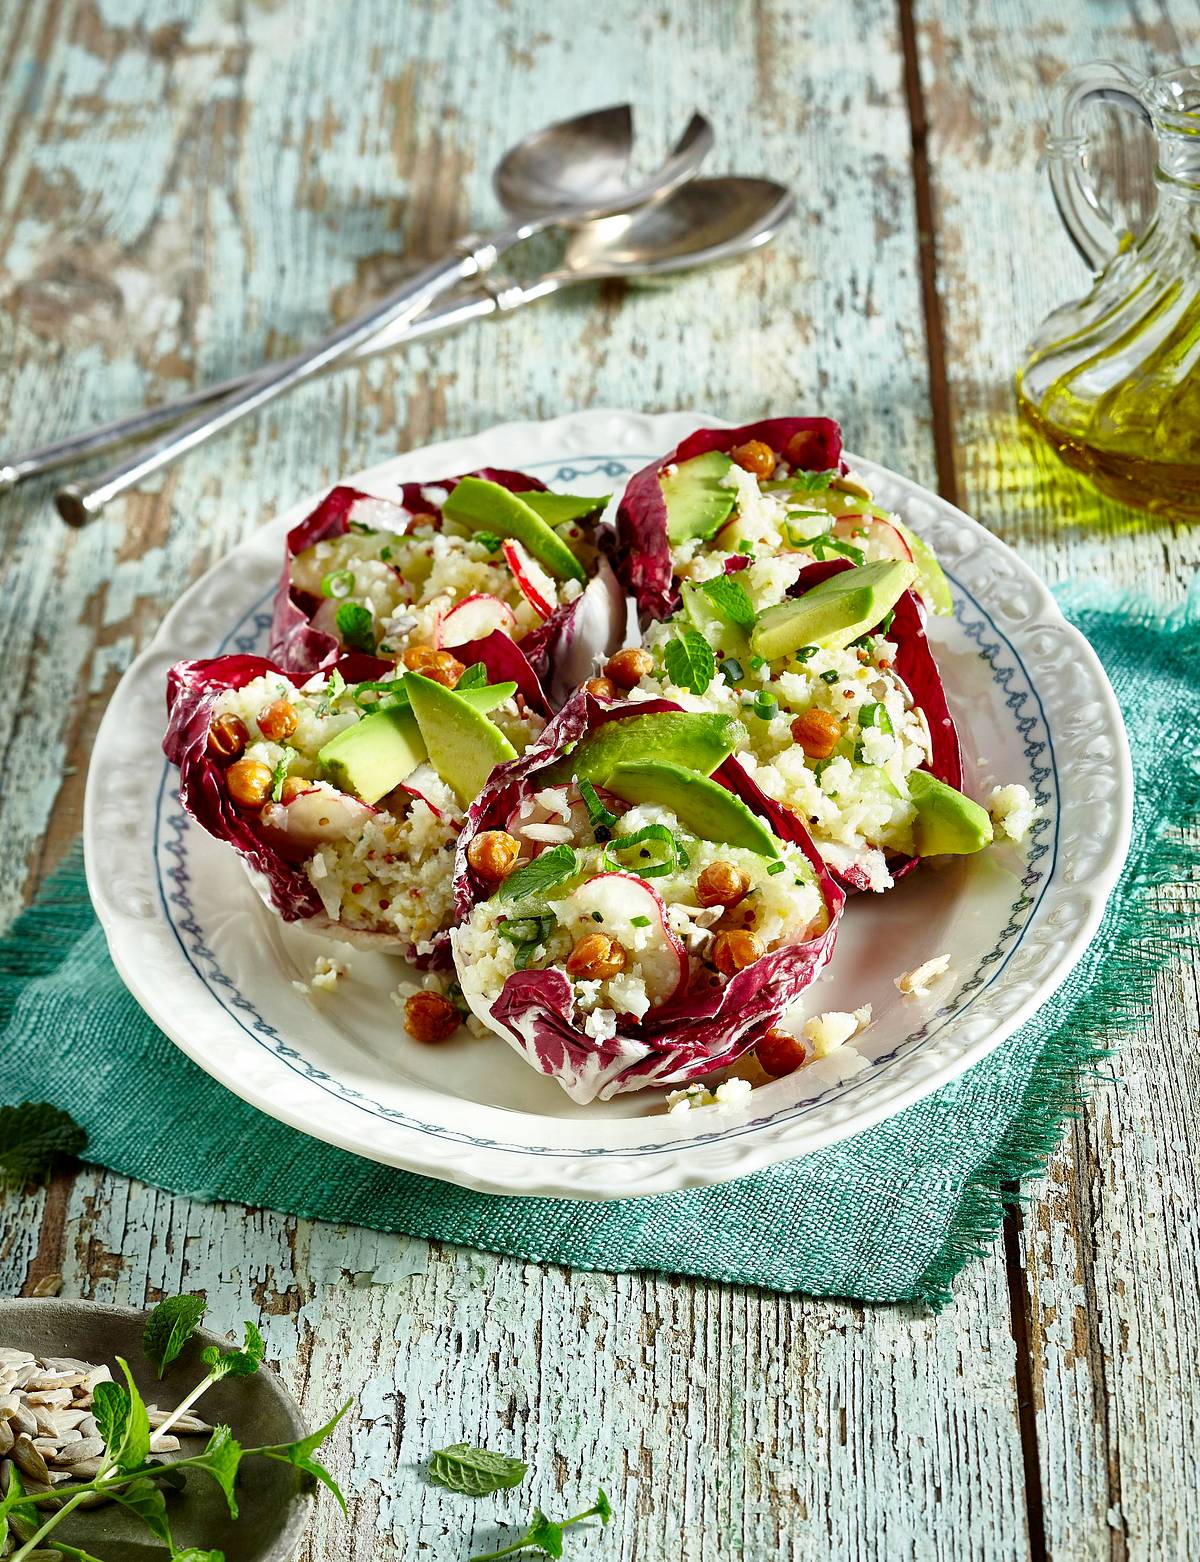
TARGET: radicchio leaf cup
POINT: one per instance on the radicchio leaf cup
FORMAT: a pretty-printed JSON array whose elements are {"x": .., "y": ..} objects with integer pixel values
[
  {"x": 274, "y": 854},
  {"x": 590, "y": 625},
  {"x": 641, "y": 552},
  {"x": 694, "y": 1033}
]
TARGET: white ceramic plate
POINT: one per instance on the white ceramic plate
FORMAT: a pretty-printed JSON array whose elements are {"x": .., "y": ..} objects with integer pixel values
[{"x": 215, "y": 970}]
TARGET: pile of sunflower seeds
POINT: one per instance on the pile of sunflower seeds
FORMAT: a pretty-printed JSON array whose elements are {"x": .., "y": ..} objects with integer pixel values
[{"x": 47, "y": 1429}]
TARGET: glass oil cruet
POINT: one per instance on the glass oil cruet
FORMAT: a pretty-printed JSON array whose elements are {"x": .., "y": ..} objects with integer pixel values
[{"x": 1113, "y": 381}]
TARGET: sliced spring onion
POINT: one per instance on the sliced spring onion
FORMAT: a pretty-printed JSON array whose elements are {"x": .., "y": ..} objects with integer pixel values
[
  {"x": 675, "y": 858},
  {"x": 806, "y": 652},
  {"x": 600, "y": 818},
  {"x": 777, "y": 867},
  {"x": 875, "y": 715},
  {"x": 731, "y": 670},
  {"x": 645, "y": 921},
  {"x": 338, "y": 583},
  {"x": 831, "y": 676}
]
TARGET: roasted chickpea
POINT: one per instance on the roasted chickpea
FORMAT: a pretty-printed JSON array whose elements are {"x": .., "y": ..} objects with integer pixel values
[
  {"x": 249, "y": 782},
  {"x": 802, "y": 446},
  {"x": 417, "y": 657},
  {"x": 601, "y": 688},
  {"x": 780, "y": 1054},
  {"x": 430, "y": 1017},
  {"x": 722, "y": 884},
  {"x": 755, "y": 457},
  {"x": 227, "y": 739},
  {"x": 493, "y": 854},
  {"x": 817, "y": 732},
  {"x": 596, "y": 957},
  {"x": 627, "y": 668},
  {"x": 442, "y": 668},
  {"x": 277, "y": 721},
  {"x": 292, "y": 788},
  {"x": 735, "y": 950}
]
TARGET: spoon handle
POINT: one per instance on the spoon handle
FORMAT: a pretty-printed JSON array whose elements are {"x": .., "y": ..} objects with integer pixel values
[
  {"x": 137, "y": 425},
  {"x": 78, "y": 503}
]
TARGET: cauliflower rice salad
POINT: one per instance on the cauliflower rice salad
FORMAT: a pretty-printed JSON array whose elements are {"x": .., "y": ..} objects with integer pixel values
[{"x": 628, "y": 861}]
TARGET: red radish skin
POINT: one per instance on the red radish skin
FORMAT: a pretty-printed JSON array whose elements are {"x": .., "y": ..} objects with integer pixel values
[
  {"x": 621, "y": 896},
  {"x": 520, "y": 564}
]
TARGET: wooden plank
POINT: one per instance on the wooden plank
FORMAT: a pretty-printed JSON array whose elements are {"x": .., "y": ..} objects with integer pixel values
[
  {"x": 187, "y": 191},
  {"x": 1110, "y": 1243}
]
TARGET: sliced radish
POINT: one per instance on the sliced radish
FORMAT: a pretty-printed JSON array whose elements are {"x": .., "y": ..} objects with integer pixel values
[
  {"x": 884, "y": 540},
  {"x": 474, "y": 618},
  {"x": 616, "y": 898},
  {"x": 314, "y": 817},
  {"x": 534, "y": 584}
]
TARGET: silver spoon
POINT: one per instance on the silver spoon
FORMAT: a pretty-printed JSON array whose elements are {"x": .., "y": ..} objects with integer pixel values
[
  {"x": 702, "y": 222},
  {"x": 555, "y": 162}
]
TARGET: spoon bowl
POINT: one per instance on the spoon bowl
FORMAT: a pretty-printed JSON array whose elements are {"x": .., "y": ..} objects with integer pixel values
[
  {"x": 703, "y": 221},
  {"x": 577, "y": 169}
]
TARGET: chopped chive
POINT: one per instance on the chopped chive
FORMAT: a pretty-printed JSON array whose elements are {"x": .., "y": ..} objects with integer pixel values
[
  {"x": 806, "y": 652},
  {"x": 831, "y": 676},
  {"x": 597, "y": 917},
  {"x": 766, "y": 705},
  {"x": 385, "y": 553},
  {"x": 757, "y": 662},
  {"x": 746, "y": 547},
  {"x": 776, "y": 867},
  {"x": 639, "y": 921}
]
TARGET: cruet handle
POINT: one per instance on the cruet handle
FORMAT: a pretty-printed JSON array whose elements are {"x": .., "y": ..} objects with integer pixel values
[{"x": 1085, "y": 217}]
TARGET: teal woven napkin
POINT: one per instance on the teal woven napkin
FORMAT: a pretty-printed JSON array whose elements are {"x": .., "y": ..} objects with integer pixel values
[{"x": 890, "y": 1215}]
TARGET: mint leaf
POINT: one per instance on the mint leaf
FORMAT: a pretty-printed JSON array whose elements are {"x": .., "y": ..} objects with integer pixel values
[
  {"x": 689, "y": 661},
  {"x": 811, "y": 482},
  {"x": 122, "y": 1420},
  {"x": 545, "y": 1534},
  {"x": 33, "y": 1137},
  {"x": 280, "y": 774},
  {"x": 731, "y": 600},
  {"x": 603, "y": 1506},
  {"x": 144, "y": 1498},
  {"x": 356, "y": 627},
  {"x": 552, "y": 867},
  {"x": 169, "y": 1327},
  {"x": 221, "y": 1459},
  {"x": 475, "y": 1471},
  {"x": 235, "y": 1363}
]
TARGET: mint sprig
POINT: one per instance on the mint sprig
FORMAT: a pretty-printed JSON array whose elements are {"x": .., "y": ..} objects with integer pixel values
[
  {"x": 551, "y": 868},
  {"x": 546, "y": 1535},
  {"x": 731, "y": 600}
]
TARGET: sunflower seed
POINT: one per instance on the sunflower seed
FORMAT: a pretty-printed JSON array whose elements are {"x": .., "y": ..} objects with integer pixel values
[
  {"x": 24, "y": 1421},
  {"x": 6, "y": 1438},
  {"x": 84, "y": 1448},
  {"x": 11, "y": 1357},
  {"x": 89, "y": 1426},
  {"x": 29, "y": 1460}
]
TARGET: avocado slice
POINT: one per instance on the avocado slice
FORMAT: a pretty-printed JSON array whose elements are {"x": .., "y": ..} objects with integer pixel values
[
  {"x": 464, "y": 746},
  {"x": 558, "y": 509},
  {"x": 698, "y": 503},
  {"x": 701, "y": 805},
  {"x": 947, "y": 822},
  {"x": 696, "y": 740},
  {"x": 486, "y": 506},
  {"x": 713, "y": 625},
  {"x": 931, "y": 577},
  {"x": 375, "y": 754},
  {"x": 834, "y": 613}
]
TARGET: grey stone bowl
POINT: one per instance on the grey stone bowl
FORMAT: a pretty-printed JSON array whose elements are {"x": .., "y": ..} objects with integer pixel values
[{"x": 274, "y": 1502}]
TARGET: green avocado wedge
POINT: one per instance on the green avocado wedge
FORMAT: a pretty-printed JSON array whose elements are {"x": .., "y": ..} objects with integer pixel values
[
  {"x": 558, "y": 509},
  {"x": 947, "y": 823},
  {"x": 375, "y": 754},
  {"x": 701, "y": 805},
  {"x": 697, "y": 741},
  {"x": 464, "y": 746},
  {"x": 836, "y": 612},
  {"x": 485, "y": 506},
  {"x": 698, "y": 502}
]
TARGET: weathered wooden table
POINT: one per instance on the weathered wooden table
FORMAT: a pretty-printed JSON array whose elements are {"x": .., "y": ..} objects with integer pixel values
[{"x": 188, "y": 188}]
